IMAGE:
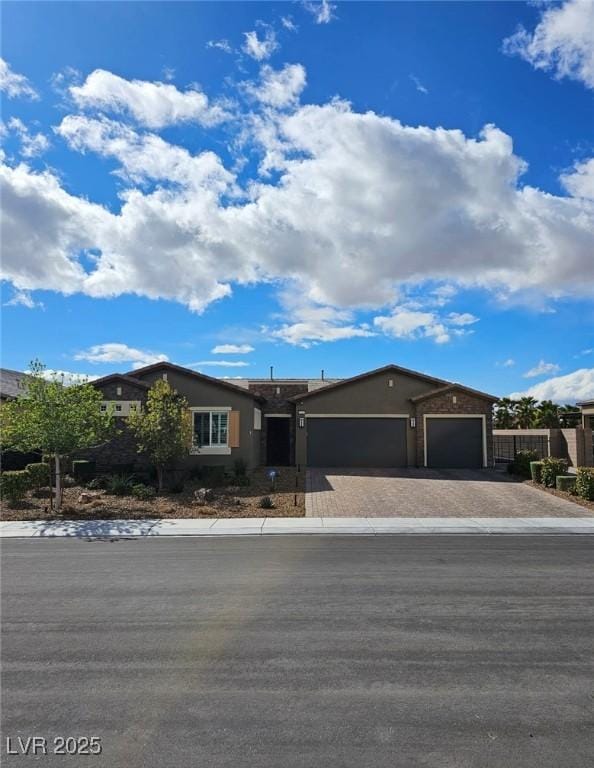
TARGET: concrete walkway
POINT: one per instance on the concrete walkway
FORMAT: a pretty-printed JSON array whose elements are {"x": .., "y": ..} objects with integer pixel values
[{"x": 371, "y": 526}]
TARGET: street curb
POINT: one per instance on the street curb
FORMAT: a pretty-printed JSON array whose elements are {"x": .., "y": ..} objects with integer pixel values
[{"x": 275, "y": 526}]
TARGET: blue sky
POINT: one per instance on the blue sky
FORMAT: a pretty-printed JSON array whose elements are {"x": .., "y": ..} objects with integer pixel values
[{"x": 237, "y": 185}]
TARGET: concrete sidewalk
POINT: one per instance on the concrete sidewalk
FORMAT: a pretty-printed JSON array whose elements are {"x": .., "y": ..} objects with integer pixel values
[{"x": 258, "y": 526}]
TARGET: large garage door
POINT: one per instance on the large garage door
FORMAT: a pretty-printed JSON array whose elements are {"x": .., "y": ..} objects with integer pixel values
[
  {"x": 454, "y": 443},
  {"x": 356, "y": 442}
]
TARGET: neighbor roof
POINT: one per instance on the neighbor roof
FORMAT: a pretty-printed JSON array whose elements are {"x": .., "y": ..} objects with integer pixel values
[
  {"x": 196, "y": 374},
  {"x": 10, "y": 383},
  {"x": 369, "y": 374},
  {"x": 585, "y": 402},
  {"x": 449, "y": 388},
  {"x": 121, "y": 377}
]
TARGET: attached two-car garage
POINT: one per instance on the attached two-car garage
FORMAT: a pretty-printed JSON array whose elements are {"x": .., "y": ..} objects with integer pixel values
[{"x": 356, "y": 442}]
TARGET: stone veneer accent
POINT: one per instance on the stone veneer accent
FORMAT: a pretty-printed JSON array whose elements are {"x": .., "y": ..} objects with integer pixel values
[
  {"x": 277, "y": 404},
  {"x": 466, "y": 404}
]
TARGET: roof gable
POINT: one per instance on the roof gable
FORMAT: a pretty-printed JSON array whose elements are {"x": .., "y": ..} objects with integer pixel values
[
  {"x": 451, "y": 387},
  {"x": 120, "y": 377},
  {"x": 194, "y": 374},
  {"x": 362, "y": 376}
]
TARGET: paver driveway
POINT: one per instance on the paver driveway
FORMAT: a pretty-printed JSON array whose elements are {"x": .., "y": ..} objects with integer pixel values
[{"x": 427, "y": 493}]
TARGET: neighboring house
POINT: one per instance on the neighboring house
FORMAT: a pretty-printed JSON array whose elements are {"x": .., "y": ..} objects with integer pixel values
[
  {"x": 10, "y": 384},
  {"x": 587, "y": 409},
  {"x": 389, "y": 417}
]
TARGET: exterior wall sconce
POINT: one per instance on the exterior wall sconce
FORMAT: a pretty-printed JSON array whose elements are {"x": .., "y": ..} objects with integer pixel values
[
  {"x": 413, "y": 422},
  {"x": 301, "y": 420}
]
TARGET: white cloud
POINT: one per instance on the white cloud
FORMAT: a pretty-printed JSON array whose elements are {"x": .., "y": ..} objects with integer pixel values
[
  {"x": 168, "y": 73},
  {"x": 219, "y": 364},
  {"x": 578, "y": 385},
  {"x": 410, "y": 324},
  {"x": 23, "y": 299},
  {"x": 509, "y": 363},
  {"x": 419, "y": 85},
  {"x": 360, "y": 206},
  {"x": 119, "y": 353},
  {"x": 288, "y": 23},
  {"x": 13, "y": 84},
  {"x": 279, "y": 88},
  {"x": 311, "y": 324},
  {"x": 67, "y": 378},
  {"x": 32, "y": 144},
  {"x": 461, "y": 318},
  {"x": 323, "y": 12},
  {"x": 541, "y": 369},
  {"x": 232, "y": 349},
  {"x": 563, "y": 41},
  {"x": 220, "y": 45},
  {"x": 260, "y": 48},
  {"x": 580, "y": 181},
  {"x": 154, "y": 105}
]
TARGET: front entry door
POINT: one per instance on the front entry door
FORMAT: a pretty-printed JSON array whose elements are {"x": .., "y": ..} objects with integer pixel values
[{"x": 278, "y": 441}]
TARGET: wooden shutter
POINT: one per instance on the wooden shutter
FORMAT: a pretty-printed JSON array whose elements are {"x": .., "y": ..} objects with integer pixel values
[{"x": 234, "y": 429}]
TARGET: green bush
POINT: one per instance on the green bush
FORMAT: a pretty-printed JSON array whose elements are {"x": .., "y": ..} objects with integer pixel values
[
  {"x": 536, "y": 471},
  {"x": 83, "y": 470},
  {"x": 584, "y": 483},
  {"x": 551, "y": 468},
  {"x": 521, "y": 463},
  {"x": 565, "y": 483},
  {"x": 97, "y": 483},
  {"x": 14, "y": 484},
  {"x": 266, "y": 503},
  {"x": 119, "y": 485},
  {"x": 39, "y": 474},
  {"x": 143, "y": 492}
]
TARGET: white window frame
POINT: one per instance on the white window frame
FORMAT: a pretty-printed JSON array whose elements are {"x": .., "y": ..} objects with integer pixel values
[
  {"x": 211, "y": 450},
  {"x": 480, "y": 416},
  {"x": 125, "y": 406}
]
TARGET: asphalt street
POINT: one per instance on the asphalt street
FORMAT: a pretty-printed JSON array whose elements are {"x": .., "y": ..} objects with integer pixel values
[{"x": 274, "y": 652}]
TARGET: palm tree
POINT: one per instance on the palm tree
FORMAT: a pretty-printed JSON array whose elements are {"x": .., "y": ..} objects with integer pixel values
[
  {"x": 547, "y": 415},
  {"x": 505, "y": 415},
  {"x": 526, "y": 412}
]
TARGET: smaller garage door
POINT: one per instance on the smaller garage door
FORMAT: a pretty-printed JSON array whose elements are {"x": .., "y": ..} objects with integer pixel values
[
  {"x": 454, "y": 443},
  {"x": 356, "y": 442}
]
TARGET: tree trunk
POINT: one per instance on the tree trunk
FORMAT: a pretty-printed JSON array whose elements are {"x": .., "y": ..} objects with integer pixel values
[
  {"x": 58, "y": 491},
  {"x": 160, "y": 478}
]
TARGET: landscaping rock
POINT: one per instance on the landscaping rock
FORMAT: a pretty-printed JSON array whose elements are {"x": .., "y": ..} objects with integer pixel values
[
  {"x": 204, "y": 495},
  {"x": 86, "y": 498}
]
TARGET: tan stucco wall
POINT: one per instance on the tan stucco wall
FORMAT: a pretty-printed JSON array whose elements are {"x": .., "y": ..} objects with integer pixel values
[
  {"x": 200, "y": 392},
  {"x": 372, "y": 395}
]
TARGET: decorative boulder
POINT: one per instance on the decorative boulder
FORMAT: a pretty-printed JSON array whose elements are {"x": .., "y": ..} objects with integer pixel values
[
  {"x": 566, "y": 483},
  {"x": 204, "y": 495},
  {"x": 86, "y": 498}
]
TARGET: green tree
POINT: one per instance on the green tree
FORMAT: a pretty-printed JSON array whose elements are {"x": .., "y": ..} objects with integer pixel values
[
  {"x": 55, "y": 419},
  {"x": 505, "y": 413},
  {"x": 162, "y": 428},
  {"x": 526, "y": 412},
  {"x": 547, "y": 415}
]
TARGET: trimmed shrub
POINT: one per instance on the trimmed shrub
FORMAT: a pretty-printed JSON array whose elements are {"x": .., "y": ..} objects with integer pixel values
[
  {"x": 521, "y": 463},
  {"x": 266, "y": 503},
  {"x": 14, "y": 484},
  {"x": 83, "y": 470},
  {"x": 39, "y": 474},
  {"x": 551, "y": 468},
  {"x": 584, "y": 483},
  {"x": 566, "y": 483},
  {"x": 536, "y": 471},
  {"x": 143, "y": 492},
  {"x": 97, "y": 483},
  {"x": 119, "y": 485}
]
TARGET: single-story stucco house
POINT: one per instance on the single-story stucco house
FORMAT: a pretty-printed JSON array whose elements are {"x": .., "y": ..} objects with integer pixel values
[
  {"x": 389, "y": 417},
  {"x": 587, "y": 409}
]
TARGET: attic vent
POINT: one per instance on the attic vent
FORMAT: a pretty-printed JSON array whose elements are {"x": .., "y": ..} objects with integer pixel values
[
  {"x": 390, "y": 382},
  {"x": 164, "y": 376},
  {"x": 278, "y": 390},
  {"x": 118, "y": 390},
  {"x": 454, "y": 399}
]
